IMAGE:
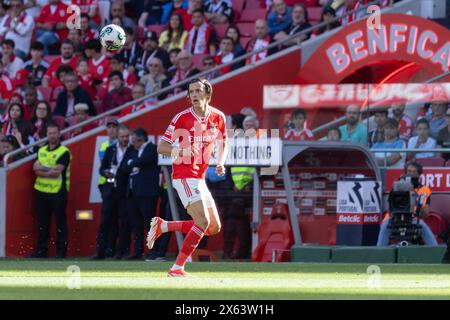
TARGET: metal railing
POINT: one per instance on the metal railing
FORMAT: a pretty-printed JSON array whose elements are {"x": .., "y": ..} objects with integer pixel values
[
  {"x": 366, "y": 112},
  {"x": 186, "y": 81},
  {"x": 407, "y": 151}
]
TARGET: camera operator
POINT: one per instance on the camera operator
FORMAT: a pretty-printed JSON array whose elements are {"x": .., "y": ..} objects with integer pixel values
[{"x": 412, "y": 170}]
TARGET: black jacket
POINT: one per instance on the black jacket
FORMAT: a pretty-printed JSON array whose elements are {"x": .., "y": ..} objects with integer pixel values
[
  {"x": 81, "y": 96},
  {"x": 144, "y": 173},
  {"x": 109, "y": 189}
]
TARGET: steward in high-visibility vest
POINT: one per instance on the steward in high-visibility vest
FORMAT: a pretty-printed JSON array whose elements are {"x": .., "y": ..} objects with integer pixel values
[
  {"x": 49, "y": 158},
  {"x": 52, "y": 185},
  {"x": 242, "y": 176}
]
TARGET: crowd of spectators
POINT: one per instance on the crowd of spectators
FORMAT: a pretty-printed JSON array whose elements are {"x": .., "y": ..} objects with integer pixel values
[
  {"x": 393, "y": 129},
  {"x": 66, "y": 70}
]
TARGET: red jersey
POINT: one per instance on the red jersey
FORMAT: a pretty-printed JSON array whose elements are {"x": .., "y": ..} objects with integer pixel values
[
  {"x": 57, "y": 15},
  {"x": 405, "y": 127},
  {"x": 85, "y": 7},
  {"x": 54, "y": 65},
  {"x": 99, "y": 68},
  {"x": 87, "y": 83},
  {"x": 294, "y": 135},
  {"x": 190, "y": 129}
]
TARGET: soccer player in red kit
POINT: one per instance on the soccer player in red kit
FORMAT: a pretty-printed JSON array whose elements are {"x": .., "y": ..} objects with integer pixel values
[{"x": 197, "y": 129}]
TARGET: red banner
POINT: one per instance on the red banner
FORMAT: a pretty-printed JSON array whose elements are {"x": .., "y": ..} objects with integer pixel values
[{"x": 437, "y": 179}]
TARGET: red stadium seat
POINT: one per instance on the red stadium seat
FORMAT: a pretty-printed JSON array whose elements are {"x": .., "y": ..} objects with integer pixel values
[
  {"x": 237, "y": 6},
  {"x": 158, "y": 28},
  {"x": 274, "y": 235},
  {"x": 440, "y": 202},
  {"x": 221, "y": 29},
  {"x": 60, "y": 121},
  {"x": 310, "y": 3},
  {"x": 436, "y": 223},
  {"x": 244, "y": 41},
  {"x": 251, "y": 15},
  {"x": 46, "y": 92},
  {"x": 253, "y": 4},
  {"x": 197, "y": 59},
  {"x": 246, "y": 28},
  {"x": 314, "y": 13},
  {"x": 432, "y": 162}
]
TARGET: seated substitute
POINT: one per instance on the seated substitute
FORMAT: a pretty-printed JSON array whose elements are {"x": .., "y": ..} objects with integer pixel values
[{"x": 414, "y": 170}]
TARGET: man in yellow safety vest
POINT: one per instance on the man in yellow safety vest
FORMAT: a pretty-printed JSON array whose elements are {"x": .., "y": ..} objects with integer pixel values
[{"x": 52, "y": 169}]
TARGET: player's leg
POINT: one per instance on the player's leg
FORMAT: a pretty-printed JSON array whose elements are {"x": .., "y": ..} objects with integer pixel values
[{"x": 159, "y": 226}]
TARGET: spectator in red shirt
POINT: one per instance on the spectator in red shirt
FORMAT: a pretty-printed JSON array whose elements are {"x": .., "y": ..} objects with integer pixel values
[
  {"x": 89, "y": 8},
  {"x": 117, "y": 63},
  {"x": 51, "y": 24},
  {"x": 87, "y": 33},
  {"x": 98, "y": 63},
  {"x": 405, "y": 122},
  {"x": 67, "y": 58},
  {"x": 299, "y": 132},
  {"x": 7, "y": 86},
  {"x": 86, "y": 79},
  {"x": 119, "y": 95}
]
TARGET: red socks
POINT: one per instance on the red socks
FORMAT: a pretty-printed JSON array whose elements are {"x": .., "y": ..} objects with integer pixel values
[
  {"x": 182, "y": 226},
  {"x": 190, "y": 243}
]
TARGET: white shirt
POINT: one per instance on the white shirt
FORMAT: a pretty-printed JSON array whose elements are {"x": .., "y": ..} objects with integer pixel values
[
  {"x": 429, "y": 144},
  {"x": 21, "y": 33},
  {"x": 120, "y": 153}
]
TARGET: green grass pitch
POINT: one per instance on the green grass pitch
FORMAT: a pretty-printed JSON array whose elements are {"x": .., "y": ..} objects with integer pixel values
[{"x": 48, "y": 279}]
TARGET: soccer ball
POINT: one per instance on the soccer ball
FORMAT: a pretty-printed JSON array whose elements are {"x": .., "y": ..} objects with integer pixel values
[{"x": 112, "y": 37}]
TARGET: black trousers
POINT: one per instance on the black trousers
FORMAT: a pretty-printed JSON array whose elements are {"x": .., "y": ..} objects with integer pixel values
[
  {"x": 114, "y": 223},
  {"x": 141, "y": 211},
  {"x": 236, "y": 229},
  {"x": 46, "y": 205}
]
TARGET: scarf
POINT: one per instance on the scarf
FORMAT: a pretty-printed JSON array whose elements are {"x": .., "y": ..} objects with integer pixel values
[
  {"x": 201, "y": 44},
  {"x": 180, "y": 75},
  {"x": 255, "y": 45}
]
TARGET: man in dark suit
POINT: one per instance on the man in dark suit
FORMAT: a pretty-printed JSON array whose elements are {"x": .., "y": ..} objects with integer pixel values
[
  {"x": 114, "y": 206},
  {"x": 143, "y": 188},
  {"x": 70, "y": 96}
]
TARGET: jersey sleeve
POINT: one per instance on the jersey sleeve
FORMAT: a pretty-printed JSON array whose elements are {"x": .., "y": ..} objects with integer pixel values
[
  {"x": 169, "y": 135},
  {"x": 223, "y": 128}
]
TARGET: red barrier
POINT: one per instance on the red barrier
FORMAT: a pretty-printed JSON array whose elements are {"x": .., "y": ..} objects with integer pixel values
[{"x": 244, "y": 89}]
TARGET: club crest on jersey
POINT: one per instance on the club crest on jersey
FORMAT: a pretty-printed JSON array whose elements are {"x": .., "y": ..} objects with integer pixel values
[
  {"x": 212, "y": 127},
  {"x": 100, "y": 70}
]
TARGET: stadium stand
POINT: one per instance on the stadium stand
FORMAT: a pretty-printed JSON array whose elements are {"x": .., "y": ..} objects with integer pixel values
[{"x": 246, "y": 12}]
